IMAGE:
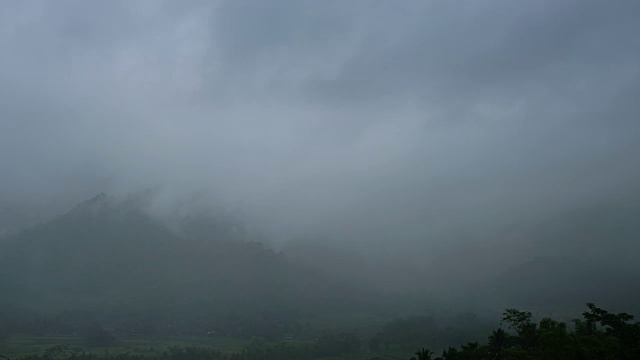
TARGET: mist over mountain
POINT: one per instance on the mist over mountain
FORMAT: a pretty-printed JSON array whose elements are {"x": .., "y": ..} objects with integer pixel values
[
  {"x": 265, "y": 165},
  {"x": 108, "y": 254},
  {"x": 111, "y": 261}
]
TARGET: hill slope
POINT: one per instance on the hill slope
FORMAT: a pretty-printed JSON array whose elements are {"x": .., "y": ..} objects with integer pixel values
[{"x": 113, "y": 262}]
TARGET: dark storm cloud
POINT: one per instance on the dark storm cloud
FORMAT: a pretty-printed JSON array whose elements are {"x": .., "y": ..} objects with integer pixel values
[{"x": 364, "y": 117}]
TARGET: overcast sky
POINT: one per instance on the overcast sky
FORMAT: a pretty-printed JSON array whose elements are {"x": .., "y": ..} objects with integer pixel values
[{"x": 342, "y": 116}]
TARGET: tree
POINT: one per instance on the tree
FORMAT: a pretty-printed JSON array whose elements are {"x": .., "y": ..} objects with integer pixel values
[
  {"x": 616, "y": 326},
  {"x": 499, "y": 340},
  {"x": 423, "y": 354},
  {"x": 473, "y": 351},
  {"x": 520, "y": 321},
  {"x": 516, "y": 319},
  {"x": 450, "y": 354},
  {"x": 553, "y": 341}
]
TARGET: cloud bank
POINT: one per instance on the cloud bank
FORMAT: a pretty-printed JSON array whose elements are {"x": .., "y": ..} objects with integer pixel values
[{"x": 349, "y": 119}]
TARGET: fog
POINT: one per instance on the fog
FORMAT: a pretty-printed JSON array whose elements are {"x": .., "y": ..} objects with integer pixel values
[
  {"x": 318, "y": 178},
  {"x": 383, "y": 127}
]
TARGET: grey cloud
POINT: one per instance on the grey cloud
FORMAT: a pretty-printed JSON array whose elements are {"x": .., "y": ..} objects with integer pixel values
[{"x": 365, "y": 117}]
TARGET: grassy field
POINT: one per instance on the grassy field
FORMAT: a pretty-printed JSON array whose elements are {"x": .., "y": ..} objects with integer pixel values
[
  {"x": 18, "y": 345},
  {"x": 363, "y": 325},
  {"x": 27, "y": 344}
]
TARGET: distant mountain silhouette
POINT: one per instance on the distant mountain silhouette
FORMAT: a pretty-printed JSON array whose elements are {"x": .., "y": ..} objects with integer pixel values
[{"x": 110, "y": 259}]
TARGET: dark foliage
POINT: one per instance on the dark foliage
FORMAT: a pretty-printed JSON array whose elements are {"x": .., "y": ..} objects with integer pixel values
[{"x": 600, "y": 335}]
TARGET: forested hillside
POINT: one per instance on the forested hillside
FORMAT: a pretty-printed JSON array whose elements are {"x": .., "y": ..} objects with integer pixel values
[{"x": 111, "y": 262}]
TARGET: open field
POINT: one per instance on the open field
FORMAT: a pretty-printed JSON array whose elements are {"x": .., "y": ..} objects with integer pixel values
[
  {"x": 20, "y": 344},
  {"x": 27, "y": 344}
]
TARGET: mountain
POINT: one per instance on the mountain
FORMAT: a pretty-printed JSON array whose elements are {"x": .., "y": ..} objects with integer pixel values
[{"x": 110, "y": 260}]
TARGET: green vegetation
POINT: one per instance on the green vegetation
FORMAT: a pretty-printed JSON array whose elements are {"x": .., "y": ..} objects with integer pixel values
[
  {"x": 598, "y": 335},
  {"x": 20, "y": 344},
  {"x": 226, "y": 349}
]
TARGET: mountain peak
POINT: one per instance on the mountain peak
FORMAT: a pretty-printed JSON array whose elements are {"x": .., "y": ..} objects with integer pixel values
[{"x": 95, "y": 205}]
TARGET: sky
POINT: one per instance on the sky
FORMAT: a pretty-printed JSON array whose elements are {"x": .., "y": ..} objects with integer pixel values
[{"x": 345, "y": 119}]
